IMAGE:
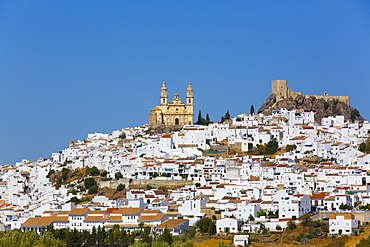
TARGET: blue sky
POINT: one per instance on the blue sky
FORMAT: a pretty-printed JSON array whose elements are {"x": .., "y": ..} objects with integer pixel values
[{"x": 69, "y": 68}]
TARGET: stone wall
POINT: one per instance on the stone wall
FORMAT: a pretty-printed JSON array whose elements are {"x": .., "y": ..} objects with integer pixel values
[{"x": 280, "y": 89}]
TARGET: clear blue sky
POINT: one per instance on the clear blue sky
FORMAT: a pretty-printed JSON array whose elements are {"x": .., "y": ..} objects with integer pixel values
[{"x": 69, "y": 68}]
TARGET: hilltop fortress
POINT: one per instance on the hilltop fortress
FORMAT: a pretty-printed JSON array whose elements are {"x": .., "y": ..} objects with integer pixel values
[{"x": 281, "y": 91}]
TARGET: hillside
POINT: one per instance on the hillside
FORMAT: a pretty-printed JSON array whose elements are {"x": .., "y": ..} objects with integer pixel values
[{"x": 321, "y": 107}]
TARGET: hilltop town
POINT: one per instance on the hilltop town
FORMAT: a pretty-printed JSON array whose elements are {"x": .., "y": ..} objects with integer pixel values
[{"x": 248, "y": 173}]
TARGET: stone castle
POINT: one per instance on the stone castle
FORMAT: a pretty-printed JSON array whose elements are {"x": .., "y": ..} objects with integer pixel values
[
  {"x": 175, "y": 112},
  {"x": 281, "y": 91}
]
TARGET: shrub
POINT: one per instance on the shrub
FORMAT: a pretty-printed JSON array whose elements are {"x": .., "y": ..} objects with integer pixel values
[
  {"x": 121, "y": 187},
  {"x": 51, "y": 172},
  {"x": 93, "y": 171},
  {"x": 118, "y": 175},
  {"x": 93, "y": 190},
  {"x": 291, "y": 225},
  {"x": 89, "y": 182}
]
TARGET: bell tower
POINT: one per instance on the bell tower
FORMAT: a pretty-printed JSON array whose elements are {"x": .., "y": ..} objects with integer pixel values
[
  {"x": 164, "y": 95},
  {"x": 189, "y": 95}
]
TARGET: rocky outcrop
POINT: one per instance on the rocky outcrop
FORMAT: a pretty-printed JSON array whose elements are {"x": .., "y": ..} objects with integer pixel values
[{"x": 321, "y": 107}]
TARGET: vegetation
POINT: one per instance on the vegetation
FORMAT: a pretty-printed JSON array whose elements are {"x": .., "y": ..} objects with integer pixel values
[
  {"x": 51, "y": 172},
  {"x": 365, "y": 242},
  {"x": 345, "y": 207},
  {"x": 155, "y": 174},
  {"x": 93, "y": 190},
  {"x": 122, "y": 135},
  {"x": 201, "y": 120},
  {"x": 225, "y": 117},
  {"x": 354, "y": 114},
  {"x": 206, "y": 225},
  {"x": 364, "y": 147},
  {"x": 365, "y": 207},
  {"x": 89, "y": 182},
  {"x": 118, "y": 175},
  {"x": 16, "y": 238},
  {"x": 114, "y": 237},
  {"x": 121, "y": 187},
  {"x": 290, "y": 148},
  {"x": 272, "y": 147},
  {"x": 291, "y": 225},
  {"x": 261, "y": 213},
  {"x": 76, "y": 200},
  {"x": 252, "y": 110},
  {"x": 65, "y": 172},
  {"x": 93, "y": 171}
]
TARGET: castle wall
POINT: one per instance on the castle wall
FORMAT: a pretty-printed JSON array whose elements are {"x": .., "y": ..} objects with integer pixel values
[
  {"x": 344, "y": 99},
  {"x": 281, "y": 91}
]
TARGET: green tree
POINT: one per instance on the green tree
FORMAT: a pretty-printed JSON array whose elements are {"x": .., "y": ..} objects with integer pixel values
[
  {"x": 345, "y": 207},
  {"x": 51, "y": 172},
  {"x": 122, "y": 135},
  {"x": 252, "y": 110},
  {"x": 291, "y": 225},
  {"x": 121, "y": 187},
  {"x": 74, "y": 199},
  {"x": 261, "y": 213},
  {"x": 251, "y": 218},
  {"x": 65, "y": 172},
  {"x": 16, "y": 238},
  {"x": 89, "y": 182},
  {"x": 93, "y": 189},
  {"x": 155, "y": 174},
  {"x": 93, "y": 171},
  {"x": 227, "y": 115},
  {"x": 201, "y": 120},
  {"x": 290, "y": 148},
  {"x": 326, "y": 105},
  {"x": 118, "y": 175},
  {"x": 191, "y": 233},
  {"x": 104, "y": 173},
  {"x": 305, "y": 220},
  {"x": 211, "y": 228},
  {"x": 208, "y": 120},
  {"x": 272, "y": 147},
  {"x": 362, "y": 147},
  {"x": 166, "y": 236},
  {"x": 204, "y": 224}
]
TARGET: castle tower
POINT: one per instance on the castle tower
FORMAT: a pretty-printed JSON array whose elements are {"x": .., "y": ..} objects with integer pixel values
[
  {"x": 164, "y": 95},
  {"x": 279, "y": 88}
]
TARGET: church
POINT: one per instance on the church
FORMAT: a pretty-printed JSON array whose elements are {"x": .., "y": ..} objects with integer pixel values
[{"x": 175, "y": 112}]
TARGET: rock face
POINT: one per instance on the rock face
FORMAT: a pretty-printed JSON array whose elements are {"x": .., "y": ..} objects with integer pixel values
[{"x": 321, "y": 107}]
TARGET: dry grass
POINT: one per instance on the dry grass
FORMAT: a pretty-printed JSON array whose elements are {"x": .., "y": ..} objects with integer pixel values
[{"x": 211, "y": 242}]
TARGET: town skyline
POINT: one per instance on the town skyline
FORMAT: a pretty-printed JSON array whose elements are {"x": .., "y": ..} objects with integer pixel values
[{"x": 73, "y": 69}]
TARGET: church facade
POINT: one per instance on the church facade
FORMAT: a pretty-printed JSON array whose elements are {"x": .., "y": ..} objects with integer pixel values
[{"x": 175, "y": 112}]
